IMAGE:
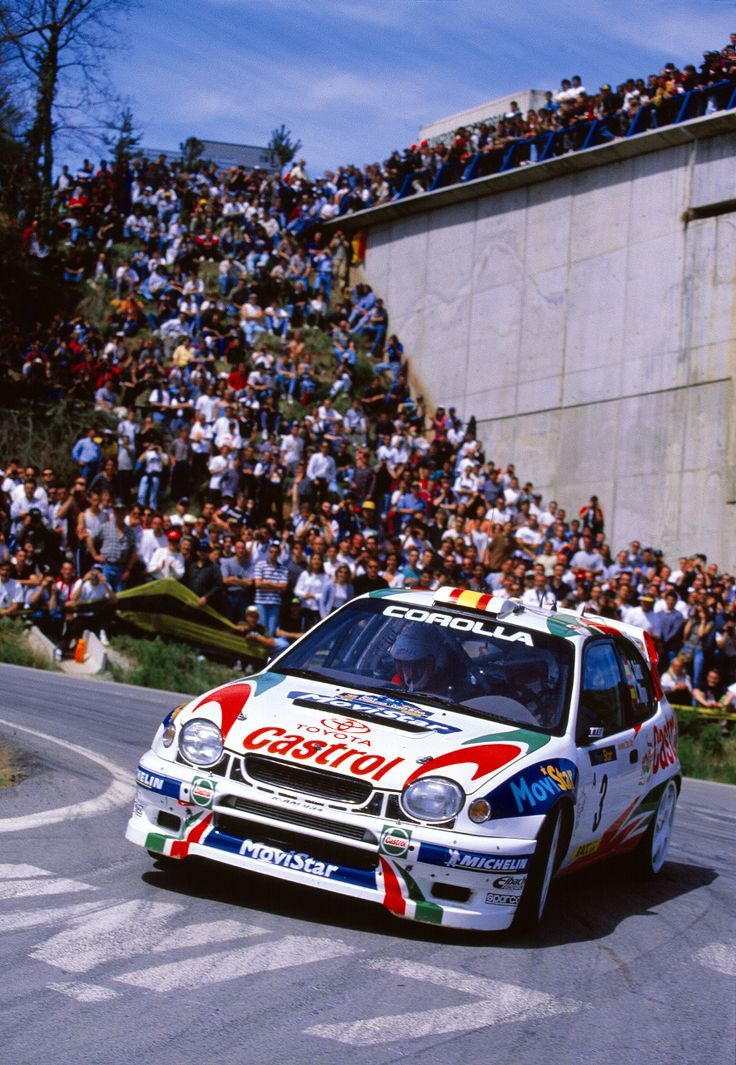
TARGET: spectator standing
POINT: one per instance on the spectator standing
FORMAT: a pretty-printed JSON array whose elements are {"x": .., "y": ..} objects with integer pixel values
[
  {"x": 114, "y": 549},
  {"x": 310, "y": 588},
  {"x": 270, "y": 578},
  {"x": 336, "y": 592},
  {"x": 87, "y": 455},
  {"x": 236, "y": 576},
  {"x": 202, "y": 576},
  {"x": 168, "y": 561}
]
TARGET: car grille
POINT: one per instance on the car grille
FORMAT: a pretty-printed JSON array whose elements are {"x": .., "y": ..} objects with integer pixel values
[
  {"x": 323, "y": 850},
  {"x": 306, "y": 781},
  {"x": 299, "y": 818}
]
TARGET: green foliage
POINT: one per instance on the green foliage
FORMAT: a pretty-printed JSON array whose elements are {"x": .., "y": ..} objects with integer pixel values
[
  {"x": 30, "y": 289},
  {"x": 706, "y": 751},
  {"x": 122, "y": 139},
  {"x": 282, "y": 147},
  {"x": 95, "y": 304},
  {"x": 166, "y": 665},
  {"x": 48, "y": 435},
  {"x": 14, "y": 646},
  {"x": 192, "y": 150}
]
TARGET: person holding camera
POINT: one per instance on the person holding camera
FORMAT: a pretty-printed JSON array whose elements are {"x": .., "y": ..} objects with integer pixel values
[
  {"x": 697, "y": 638},
  {"x": 151, "y": 465},
  {"x": 92, "y": 602}
]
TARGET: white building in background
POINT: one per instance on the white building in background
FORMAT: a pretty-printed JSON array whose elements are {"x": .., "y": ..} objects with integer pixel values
[
  {"x": 223, "y": 153},
  {"x": 491, "y": 112}
]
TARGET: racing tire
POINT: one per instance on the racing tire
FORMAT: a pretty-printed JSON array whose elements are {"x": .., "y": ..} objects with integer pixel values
[
  {"x": 650, "y": 854},
  {"x": 531, "y": 908}
]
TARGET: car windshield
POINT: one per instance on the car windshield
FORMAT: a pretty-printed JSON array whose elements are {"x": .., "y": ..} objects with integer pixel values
[{"x": 466, "y": 662}]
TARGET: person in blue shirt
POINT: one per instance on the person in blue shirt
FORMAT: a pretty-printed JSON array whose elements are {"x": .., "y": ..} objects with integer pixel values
[{"x": 86, "y": 453}]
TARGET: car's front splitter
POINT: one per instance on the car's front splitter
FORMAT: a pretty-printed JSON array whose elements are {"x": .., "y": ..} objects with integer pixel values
[{"x": 419, "y": 873}]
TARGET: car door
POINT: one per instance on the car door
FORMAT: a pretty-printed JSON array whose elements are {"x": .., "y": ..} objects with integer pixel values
[
  {"x": 608, "y": 779},
  {"x": 638, "y": 741}
]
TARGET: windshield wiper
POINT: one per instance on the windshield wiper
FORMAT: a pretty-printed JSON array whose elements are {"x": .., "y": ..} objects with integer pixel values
[{"x": 305, "y": 674}]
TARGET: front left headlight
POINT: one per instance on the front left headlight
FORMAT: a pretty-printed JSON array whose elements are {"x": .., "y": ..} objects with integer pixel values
[
  {"x": 433, "y": 799},
  {"x": 200, "y": 742}
]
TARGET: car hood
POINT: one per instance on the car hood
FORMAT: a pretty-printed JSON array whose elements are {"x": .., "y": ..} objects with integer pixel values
[{"x": 387, "y": 739}]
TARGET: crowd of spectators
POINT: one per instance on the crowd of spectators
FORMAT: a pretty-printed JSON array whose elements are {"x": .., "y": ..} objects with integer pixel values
[
  {"x": 569, "y": 110},
  {"x": 404, "y": 509},
  {"x": 248, "y": 221},
  {"x": 257, "y": 439}
]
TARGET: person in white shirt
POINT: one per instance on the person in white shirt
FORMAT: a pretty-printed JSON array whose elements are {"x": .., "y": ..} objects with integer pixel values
[
  {"x": 321, "y": 468},
  {"x": 11, "y": 592},
  {"x": 167, "y": 561},
  {"x": 309, "y": 588},
  {"x": 539, "y": 595},
  {"x": 151, "y": 539},
  {"x": 217, "y": 466},
  {"x": 207, "y": 404},
  {"x": 292, "y": 448}
]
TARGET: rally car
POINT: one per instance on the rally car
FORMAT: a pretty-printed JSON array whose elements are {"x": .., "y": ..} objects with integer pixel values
[{"x": 442, "y": 754}]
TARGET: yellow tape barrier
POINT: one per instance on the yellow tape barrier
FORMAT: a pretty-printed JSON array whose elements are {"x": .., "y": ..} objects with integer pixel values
[{"x": 706, "y": 711}]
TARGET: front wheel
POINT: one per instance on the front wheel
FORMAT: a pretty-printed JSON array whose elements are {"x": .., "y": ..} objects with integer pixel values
[
  {"x": 533, "y": 903},
  {"x": 650, "y": 855}
]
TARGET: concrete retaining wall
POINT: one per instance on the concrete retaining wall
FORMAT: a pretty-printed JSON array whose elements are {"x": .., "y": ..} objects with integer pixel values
[{"x": 586, "y": 324}]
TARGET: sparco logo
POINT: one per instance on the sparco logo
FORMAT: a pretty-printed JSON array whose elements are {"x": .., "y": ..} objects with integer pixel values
[
  {"x": 501, "y": 900},
  {"x": 509, "y": 883}
]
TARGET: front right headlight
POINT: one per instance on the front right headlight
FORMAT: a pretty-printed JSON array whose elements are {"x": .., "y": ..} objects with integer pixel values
[
  {"x": 200, "y": 742},
  {"x": 433, "y": 799}
]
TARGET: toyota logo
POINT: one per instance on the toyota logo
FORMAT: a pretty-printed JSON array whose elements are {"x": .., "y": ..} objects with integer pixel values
[{"x": 345, "y": 725}]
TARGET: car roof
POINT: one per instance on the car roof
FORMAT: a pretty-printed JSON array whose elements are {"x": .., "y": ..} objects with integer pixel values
[{"x": 560, "y": 622}]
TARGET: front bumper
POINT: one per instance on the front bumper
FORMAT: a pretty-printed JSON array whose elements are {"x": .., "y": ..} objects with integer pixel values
[{"x": 440, "y": 876}]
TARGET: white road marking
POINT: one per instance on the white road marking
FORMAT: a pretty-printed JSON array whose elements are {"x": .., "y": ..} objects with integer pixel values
[
  {"x": 18, "y": 889},
  {"x": 30, "y": 918},
  {"x": 718, "y": 956},
  {"x": 20, "y": 872},
  {"x": 211, "y": 969},
  {"x": 495, "y": 1003},
  {"x": 199, "y": 935},
  {"x": 84, "y": 992},
  {"x": 119, "y": 793},
  {"x": 117, "y": 933}
]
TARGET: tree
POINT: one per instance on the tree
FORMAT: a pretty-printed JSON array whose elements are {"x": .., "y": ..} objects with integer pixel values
[
  {"x": 281, "y": 146},
  {"x": 122, "y": 140},
  {"x": 13, "y": 151},
  {"x": 60, "y": 46},
  {"x": 192, "y": 150}
]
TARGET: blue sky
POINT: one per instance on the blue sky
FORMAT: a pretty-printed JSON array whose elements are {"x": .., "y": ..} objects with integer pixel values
[{"x": 354, "y": 79}]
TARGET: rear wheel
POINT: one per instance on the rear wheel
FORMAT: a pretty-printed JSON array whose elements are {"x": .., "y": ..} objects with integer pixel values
[
  {"x": 543, "y": 866},
  {"x": 650, "y": 855}
]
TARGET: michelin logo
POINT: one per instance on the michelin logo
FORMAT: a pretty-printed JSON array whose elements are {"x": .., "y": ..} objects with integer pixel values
[
  {"x": 286, "y": 859},
  {"x": 482, "y": 864},
  {"x": 148, "y": 780}
]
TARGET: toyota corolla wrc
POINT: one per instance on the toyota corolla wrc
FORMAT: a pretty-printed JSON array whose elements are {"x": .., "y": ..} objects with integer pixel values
[{"x": 443, "y": 754}]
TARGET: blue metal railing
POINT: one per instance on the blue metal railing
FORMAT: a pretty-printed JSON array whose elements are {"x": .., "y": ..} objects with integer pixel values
[{"x": 580, "y": 136}]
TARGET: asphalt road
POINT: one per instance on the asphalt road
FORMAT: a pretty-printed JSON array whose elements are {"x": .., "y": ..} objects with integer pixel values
[{"x": 107, "y": 958}]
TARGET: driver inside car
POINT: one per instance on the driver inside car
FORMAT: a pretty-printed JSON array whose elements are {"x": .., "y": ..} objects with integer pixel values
[
  {"x": 415, "y": 654},
  {"x": 533, "y": 687}
]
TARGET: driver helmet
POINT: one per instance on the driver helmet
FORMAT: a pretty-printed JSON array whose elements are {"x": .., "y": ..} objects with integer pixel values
[{"x": 415, "y": 654}]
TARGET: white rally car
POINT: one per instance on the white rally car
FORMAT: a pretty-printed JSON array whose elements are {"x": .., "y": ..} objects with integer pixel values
[{"x": 442, "y": 754}]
